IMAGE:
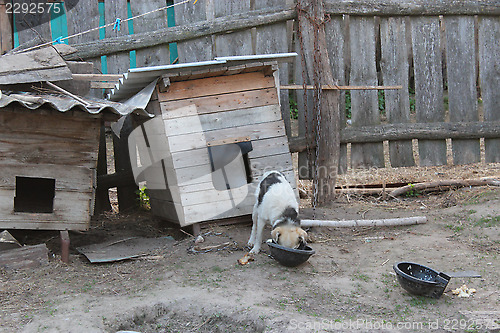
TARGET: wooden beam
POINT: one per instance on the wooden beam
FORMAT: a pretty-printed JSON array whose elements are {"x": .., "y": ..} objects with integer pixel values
[
  {"x": 180, "y": 33},
  {"x": 413, "y": 7},
  {"x": 440, "y": 184},
  {"x": 395, "y": 132},
  {"x": 365, "y": 223}
]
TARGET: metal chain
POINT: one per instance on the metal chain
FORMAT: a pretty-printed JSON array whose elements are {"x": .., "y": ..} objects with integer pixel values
[{"x": 317, "y": 94}]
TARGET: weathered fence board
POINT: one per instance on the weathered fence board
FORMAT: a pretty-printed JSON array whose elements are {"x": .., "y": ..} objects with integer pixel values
[
  {"x": 462, "y": 95},
  {"x": 198, "y": 49},
  {"x": 270, "y": 39},
  {"x": 489, "y": 58},
  {"x": 394, "y": 67},
  {"x": 120, "y": 62},
  {"x": 364, "y": 104},
  {"x": 335, "y": 39},
  {"x": 428, "y": 85},
  {"x": 232, "y": 43},
  {"x": 31, "y": 26},
  {"x": 156, "y": 55},
  {"x": 82, "y": 17}
]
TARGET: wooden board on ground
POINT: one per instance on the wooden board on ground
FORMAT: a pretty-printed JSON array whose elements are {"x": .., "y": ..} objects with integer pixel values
[{"x": 25, "y": 257}]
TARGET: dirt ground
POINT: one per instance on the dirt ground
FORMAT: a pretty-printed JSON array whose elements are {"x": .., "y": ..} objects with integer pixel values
[{"x": 349, "y": 284}]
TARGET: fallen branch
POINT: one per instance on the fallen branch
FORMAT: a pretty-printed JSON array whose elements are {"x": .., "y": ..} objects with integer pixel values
[
  {"x": 444, "y": 184},
  {"x": 365, "y": 223}
]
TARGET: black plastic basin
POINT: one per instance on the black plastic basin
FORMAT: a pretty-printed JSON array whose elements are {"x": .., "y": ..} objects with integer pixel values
[
  {"x": 288, "y": 256},
  {"x": 421, "y": 280}
]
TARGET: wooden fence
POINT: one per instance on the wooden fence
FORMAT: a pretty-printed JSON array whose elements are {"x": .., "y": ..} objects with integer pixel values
[{"x": 445, "y": 55}]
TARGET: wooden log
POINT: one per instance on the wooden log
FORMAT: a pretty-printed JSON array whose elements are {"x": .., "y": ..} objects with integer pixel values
[
  {"x": 394, "y": 68},
  {"x": 444, "y": 184},
  {"x": 462, "y": 94},
  {"x": 180, "y": 33},
  {"x": 412, "y": 7},
  {"x": 364, "y": 104},
  {"x": 314, "y": 38},
  {"x": 429, "y": 102},
  {"x": 489, "y": 49},
  {"x": 437, "y": 131},
  {"x": 364, "y": 223}
]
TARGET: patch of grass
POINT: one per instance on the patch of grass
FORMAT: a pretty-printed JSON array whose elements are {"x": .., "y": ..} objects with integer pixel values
[
  {"x": 421, "y": 301},
  {"x": 143, "y": 198},
  {"x": 362, "y": 277},
  {"x": 294, "y": 110},
  {"x": 488, "y": 221},
  {"x": 412, "y": 192},
  {"x": 455, "y": 228}
]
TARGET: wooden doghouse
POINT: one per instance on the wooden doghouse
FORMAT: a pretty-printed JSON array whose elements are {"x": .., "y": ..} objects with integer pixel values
[
  {"x": 48, "y": 157},
  {"x": 218, "y": 129}
]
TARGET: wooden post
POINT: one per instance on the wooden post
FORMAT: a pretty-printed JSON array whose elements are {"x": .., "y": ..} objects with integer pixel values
[
  {"x": 312, "y": 16},
  {"x": 102, "y": 194},
  {"x": 65, "y": 246},
  {"x": 126, "y": 193}
]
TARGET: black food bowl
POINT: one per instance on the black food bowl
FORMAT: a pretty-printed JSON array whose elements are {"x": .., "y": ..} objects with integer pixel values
[
  {"x": 421, "y": 280},
  {"x": 288, "y": 256}
]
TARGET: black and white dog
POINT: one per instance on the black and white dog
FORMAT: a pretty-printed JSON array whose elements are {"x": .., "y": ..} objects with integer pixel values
[{"x": 277, "y": 206}]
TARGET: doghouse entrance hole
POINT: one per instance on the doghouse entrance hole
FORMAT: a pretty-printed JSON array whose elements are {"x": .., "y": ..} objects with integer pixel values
[
  {"x": 230, "y": 165},
  {"x": 34, "y": 195}
]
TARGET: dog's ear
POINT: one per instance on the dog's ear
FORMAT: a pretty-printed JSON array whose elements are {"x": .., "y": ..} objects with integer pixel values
[
  {"x": 275, "y": 234},
  {"x": 302, "y": 236}
]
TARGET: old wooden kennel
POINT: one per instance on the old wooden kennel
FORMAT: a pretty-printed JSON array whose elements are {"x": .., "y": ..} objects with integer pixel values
[
  {"x": 218, "y": 129},
  {"x": 48, "y": 150}
]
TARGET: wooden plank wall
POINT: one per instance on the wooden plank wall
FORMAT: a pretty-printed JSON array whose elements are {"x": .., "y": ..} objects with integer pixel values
[{"x": 30, "y": 149}]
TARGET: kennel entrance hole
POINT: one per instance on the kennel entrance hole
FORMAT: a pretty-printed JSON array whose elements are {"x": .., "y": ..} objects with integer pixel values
[
  {"x": 230, "y": 164},
  {"x": 34, "y": 195}
]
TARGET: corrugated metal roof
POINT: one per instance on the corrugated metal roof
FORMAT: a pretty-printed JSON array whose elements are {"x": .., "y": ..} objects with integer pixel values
[
  {"x": 65, "y": 103},
  {"x": 137, "y": 78}
]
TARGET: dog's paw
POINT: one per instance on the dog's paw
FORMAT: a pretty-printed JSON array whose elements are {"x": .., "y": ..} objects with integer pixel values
[
  {"x": 254, "y": 250},
  {"x": 250, "y": 244}
]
